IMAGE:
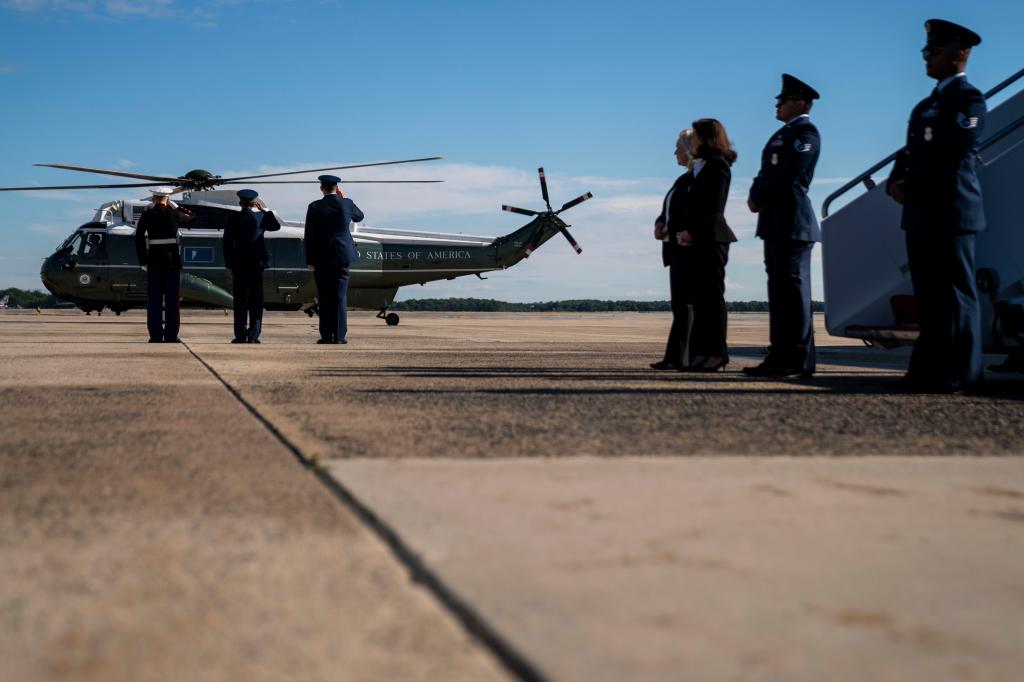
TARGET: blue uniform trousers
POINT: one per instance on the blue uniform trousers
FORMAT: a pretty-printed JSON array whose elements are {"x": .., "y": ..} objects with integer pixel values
[
  {"x": 163, "y": 314},
  {"x": 332, "y": 301},
  {"x": 948, "y": 312},
  {"x": 248, "y": 298},
  {"x": 791, "y": 330}
]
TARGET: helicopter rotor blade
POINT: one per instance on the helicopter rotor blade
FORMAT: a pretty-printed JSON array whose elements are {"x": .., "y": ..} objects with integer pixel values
[
  {"x": 29, "y": 189},
  {"x": 544, "y": 187},
  {"x": 317, "y": 170},
  {"x": 572, "y": 242},
  {"x": 578, "y": 200},
  {"x": 522, "y": 211},
  {"x": 155, "y": 178},
  {"x": 317, "y": 182}
]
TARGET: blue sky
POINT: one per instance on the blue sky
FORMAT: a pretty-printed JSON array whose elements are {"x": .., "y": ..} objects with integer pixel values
[{"x": 594, "y": 91}]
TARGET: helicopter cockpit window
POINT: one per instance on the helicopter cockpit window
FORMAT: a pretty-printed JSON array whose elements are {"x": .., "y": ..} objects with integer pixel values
[
  {"x": 207, "y": 218},
  {"x": 93, "y": 246}
]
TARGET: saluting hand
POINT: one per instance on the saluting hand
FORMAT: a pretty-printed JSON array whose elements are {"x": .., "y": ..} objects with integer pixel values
[{"x": 338, "y": 191}]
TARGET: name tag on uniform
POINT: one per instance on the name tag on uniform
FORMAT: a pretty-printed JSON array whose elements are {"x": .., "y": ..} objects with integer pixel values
[
  {"x": 776, "y": 142},
  {"x": 930, "y": 113}
]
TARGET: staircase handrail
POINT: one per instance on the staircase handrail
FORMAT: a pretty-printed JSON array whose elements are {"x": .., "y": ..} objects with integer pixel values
[{"x": 865, "y": 177}]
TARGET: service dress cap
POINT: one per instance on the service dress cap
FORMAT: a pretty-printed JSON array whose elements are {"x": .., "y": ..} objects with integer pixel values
[
  {"x": 161, "y": 191},
  {"x": 942, "y": 33},
  {"x": 329, "y": 180},
  {"x": 247, "y": 194},
  {"x": 794, "y": 88}
]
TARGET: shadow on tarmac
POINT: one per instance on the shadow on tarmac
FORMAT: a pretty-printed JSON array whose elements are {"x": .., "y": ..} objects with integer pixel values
[{"x": 722, "y": 383}]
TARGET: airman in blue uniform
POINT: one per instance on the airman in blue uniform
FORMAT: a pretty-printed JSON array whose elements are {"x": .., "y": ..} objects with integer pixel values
[
  {"x": 789, "y": 228},
  {"x": 245, "y": 257},
  {"x": 935, "y": 179},
  {"x": 330, "y": 253}
]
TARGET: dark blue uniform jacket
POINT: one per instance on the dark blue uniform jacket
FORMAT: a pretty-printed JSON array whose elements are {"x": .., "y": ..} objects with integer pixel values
[
  {"x": 938, "y": 165},
  {"x": 780, "y": 188},
  {"x": 244, "y": 247},
  {"x": 328, "y": 238}
]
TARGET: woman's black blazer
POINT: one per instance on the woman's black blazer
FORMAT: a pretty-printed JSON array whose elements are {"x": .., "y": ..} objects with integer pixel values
[
  {"x": 704, "y": 213},
  {"x": 676, "y": 204}
]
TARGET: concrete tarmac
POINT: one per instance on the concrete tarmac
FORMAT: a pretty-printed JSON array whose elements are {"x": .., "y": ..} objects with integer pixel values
[{"x": 569, "y": 496}]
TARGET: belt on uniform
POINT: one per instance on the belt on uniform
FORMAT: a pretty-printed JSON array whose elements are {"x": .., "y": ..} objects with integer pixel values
[{"x": 158, "y": 242}]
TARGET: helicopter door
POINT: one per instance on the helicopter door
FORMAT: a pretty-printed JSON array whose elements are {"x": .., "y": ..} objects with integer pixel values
[
  {"x": 292, "y": 282},
  {"x": 127, "y": 281}
]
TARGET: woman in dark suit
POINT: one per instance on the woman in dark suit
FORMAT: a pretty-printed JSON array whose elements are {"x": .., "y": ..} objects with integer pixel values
[
  {"x": 666, "y": 228},
  {"x": 707, "y": 237}
]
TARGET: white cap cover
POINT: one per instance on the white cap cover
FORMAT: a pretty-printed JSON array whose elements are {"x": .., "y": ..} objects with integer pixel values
[{"x": 161, "y": 191}]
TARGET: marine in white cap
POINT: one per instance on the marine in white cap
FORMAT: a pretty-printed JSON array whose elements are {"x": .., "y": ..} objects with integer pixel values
[{"x": 157, "y": 246}]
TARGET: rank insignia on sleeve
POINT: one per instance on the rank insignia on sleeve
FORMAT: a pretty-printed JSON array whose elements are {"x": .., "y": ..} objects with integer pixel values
[
  {"x": 802, "y": 146},
  {"x": 967, "y": 122}
]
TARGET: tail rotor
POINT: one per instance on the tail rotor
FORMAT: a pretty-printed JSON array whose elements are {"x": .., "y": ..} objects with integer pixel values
[{"x": 532, "y": 246}]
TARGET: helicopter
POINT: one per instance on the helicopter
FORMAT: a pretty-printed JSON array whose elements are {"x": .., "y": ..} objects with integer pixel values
[{"x": 96, "y": 267}]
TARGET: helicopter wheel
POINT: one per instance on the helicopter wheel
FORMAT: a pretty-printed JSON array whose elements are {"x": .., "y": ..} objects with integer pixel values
[{"x": 391, "y": 319}]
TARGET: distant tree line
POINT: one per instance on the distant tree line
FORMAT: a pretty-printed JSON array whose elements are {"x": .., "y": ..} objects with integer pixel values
[
  {"x": 41, "y": 299},
  {"x": 19, "y": 298},
  {"x": 585, "y": 305}
]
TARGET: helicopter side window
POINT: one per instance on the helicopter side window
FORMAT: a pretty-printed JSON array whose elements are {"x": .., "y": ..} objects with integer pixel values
[
  {"x": 93, "y": 247},
  {"x": 207, "y": 218},
  {"x": 286, "y": 253}
]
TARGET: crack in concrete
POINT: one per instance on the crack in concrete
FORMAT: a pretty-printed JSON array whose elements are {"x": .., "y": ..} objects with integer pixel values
[{"x": 514, "y": 662}]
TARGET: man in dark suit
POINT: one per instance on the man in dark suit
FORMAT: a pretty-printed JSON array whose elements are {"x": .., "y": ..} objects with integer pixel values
[
  {"x": 935, "y": 179},
  {"x": 789, "y": 228},
  {"x": 245, "y": 257},
  {"x": 158, "y": 247},
  {"x": 330, "y": 253}
]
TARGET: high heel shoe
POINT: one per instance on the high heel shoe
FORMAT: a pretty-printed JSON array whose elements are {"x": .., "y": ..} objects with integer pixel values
[
  {"x": 664, "y": 364},
  {"x": 702, "y": 366}
]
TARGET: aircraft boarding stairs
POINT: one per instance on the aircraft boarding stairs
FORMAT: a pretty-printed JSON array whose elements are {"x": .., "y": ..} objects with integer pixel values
[{"x": 868, "y": 294}]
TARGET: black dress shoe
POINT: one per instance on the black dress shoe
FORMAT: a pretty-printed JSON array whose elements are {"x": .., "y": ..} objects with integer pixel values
[
  {"x": 327, "y": 342},
  {"x": 910, "y": 384},
  {"x": 1011, "y": 365},
  {"x": 665, "y": 364},
  {"x": 341, "y": 341},
  {"x": 254, "y": 340},
  {"x": 237, "y": 340},
  {"x": 777, "y": 372},
  {"x": 174, "y": 340}
]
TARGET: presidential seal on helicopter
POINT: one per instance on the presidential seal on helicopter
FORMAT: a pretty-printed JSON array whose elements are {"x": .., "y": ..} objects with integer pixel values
[{"x": 96, "y": 267}]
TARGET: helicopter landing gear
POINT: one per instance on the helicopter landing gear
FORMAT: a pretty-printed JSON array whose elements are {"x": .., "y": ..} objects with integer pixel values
[{"x": 391, "y": 319}]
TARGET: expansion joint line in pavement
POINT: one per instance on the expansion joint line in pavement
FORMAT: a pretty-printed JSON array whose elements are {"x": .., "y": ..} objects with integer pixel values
[{"x": 515, "y": 662}]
